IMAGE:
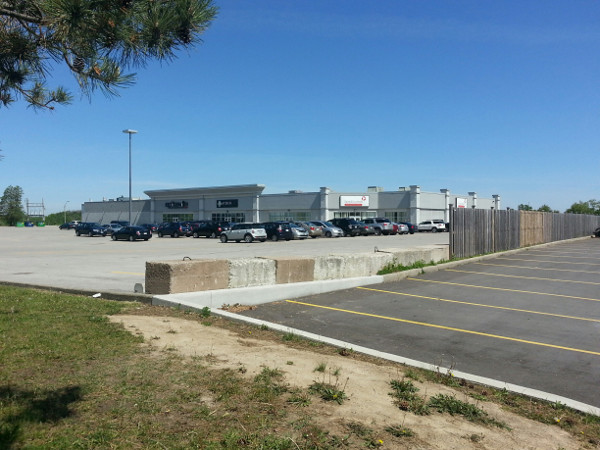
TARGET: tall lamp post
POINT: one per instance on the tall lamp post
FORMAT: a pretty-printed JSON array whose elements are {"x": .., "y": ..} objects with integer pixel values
[
  {"x": 65, "y": 212},
  {"x": 130, "y": 132}
]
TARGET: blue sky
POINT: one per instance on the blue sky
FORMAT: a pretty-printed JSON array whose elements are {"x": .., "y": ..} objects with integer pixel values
[{"x": 496, "y": 97}]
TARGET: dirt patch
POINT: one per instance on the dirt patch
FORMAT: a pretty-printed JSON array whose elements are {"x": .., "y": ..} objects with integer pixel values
[{"x": 366, "y": 385}]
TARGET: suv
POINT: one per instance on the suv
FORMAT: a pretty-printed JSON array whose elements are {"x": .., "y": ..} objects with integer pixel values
[
  {"x": 90, "y": 229},
  {"x": 278, "y": 230},
  {"x": 432, "y": 225},
  {"x": 381, "y": 225},
  {"x": 209, "y": 229},
  {"x": 350, "y": 226},
  {"x": 173, "y": 229},
  {"x": 246, "y": 232}
]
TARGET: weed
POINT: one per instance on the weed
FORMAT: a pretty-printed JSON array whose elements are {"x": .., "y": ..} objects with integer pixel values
[
  {"x": 329, "y": 390},
  {"x": 299, "y": 398},
  {"x": 406, "y": 398},
  {"x": 451, "y": 405},
  {"x": 320, "y": 368},
  {"x": 205, "y": 312},
  {"x": 395, "y": 266},
  {"x": 400, "y": 431}
]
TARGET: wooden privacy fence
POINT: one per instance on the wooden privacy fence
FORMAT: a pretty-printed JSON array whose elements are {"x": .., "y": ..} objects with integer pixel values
[{"x": 480, "y": 231}]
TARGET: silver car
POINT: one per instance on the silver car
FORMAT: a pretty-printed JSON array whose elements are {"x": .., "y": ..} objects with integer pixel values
[
  {"x": 329, "y": 229},
  {"x": 313, "y": 229},
  {"x": 432, "y": 225},
  {"x": 298, "y": 231},
  {"x": 246, "y": 232}
]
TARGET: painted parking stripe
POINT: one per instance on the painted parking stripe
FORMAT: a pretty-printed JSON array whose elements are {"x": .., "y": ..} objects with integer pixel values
[
  {"x": 537, "y": 268},
  {"x": 442, "y": 327},
  {"x": 421, "y": 280},
  {"x": 521, "y": 277},
  {"x": 460, "y": 302},
  {"x": 548, "y": 261}
]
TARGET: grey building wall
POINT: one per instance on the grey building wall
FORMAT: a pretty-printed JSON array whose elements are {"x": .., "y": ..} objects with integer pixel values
[{"x": 247, "y": 203}]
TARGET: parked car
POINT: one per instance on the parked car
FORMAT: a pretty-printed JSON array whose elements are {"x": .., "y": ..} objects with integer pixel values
[
  {"x": 432, "y": 225},
  {"x": 246, "y": 232},
  {"x": 277, "y": 231},
  {"x": 350, "y": 226},
  {"x": 597, "y": 232},
  {"x": 314, "y": 230},
  {"x": 90, "y": 229},
  {"x": 366, "y": 229},
  {"x": 131, "y": 233},
  {"x": 152, "y": 227},
  {"x": 402, "y": 228},
  {"x": 123, "y": 223},
  {"x": 209, "y": 228},
  {"x": 111, "y": 228},
  {"x": 381, "y": 225},
  {"x": 68, "y": 225},
  {"x": 298, "y": 231},
  {"x": 173, "y": 229},
  {"x": 329, "y": 229},
  {"x": 411, "y": 227}
]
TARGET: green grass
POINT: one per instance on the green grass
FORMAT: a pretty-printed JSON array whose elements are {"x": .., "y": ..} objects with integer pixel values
[{"x": 395, "y": 266}]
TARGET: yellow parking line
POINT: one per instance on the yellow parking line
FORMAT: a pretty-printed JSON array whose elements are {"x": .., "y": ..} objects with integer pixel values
[
  {"x": 537, "y": 268},
  {"x": 546, "y": 261},
  {"x": 521, "y": 277},
  {"x": 442, "y": 327},
  {"x": 504, "y": 289},
  {"x": 460, "y": 302}
]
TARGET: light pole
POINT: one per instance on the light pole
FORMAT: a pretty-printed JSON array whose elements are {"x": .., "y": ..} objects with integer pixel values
[
  {"x": 130, "y": 132},
  {"x": 65, "y": 212}
]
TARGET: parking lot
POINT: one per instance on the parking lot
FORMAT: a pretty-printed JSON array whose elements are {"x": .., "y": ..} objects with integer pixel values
[
  {"x": 52, "y": 257},
  {"x": 530, "y": 318}
]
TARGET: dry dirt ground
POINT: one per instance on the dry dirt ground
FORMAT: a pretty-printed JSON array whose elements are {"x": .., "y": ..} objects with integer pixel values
[{"x": 367, "y": 388}]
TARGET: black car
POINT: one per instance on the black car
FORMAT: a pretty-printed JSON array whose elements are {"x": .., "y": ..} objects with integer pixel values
[
  {"x": 411, "y": 227},
  {"x": 209, "y": 228},
  {"x": 279, "y": 230},
  {"x": 597, "y": 232},
  {"x": 132, "y": 233},
  {"x": 90, "y": 229},
  {"x": 350, "y": 226},
  {"x": 150, "y": 226},
  {"x": 68, "y": 226},
  {"x": 173, "y": 229}
]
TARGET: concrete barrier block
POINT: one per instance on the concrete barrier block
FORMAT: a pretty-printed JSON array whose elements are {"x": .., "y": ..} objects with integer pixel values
[
  {"x": 247, "y": 272},
  {"x": 294, "y": 270},
  {"x": 172, "y": 277},
  {"x": 426, "y": 254},
  {"x": 331, "y": 267}
]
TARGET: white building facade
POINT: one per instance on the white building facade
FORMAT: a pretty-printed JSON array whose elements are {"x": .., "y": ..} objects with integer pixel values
[{"x": 247, "y": 203}]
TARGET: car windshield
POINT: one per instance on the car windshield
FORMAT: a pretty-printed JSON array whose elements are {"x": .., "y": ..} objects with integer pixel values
[{"x": 329, "y": 224}]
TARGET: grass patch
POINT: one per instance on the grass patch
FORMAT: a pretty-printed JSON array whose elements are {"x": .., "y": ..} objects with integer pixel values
[
  {"x": 395, "y": 266},
  {"x": 449, "y": 404}
]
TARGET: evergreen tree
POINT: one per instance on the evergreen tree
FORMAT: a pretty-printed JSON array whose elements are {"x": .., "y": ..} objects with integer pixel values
[
  {"x": 95, "y": 39},
  {"x": 11, "y": 205}
]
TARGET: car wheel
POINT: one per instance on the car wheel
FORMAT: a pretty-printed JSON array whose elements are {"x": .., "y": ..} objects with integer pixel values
[
  {"x": 274, "y": 238},
  {"x": 434, "y": 230},
  {"x": 113, "y": 237},
  {"x": 175, "y": 235},
  {"x": 328, "y": 234},
  {"x": 195, "y": 234},
  {"x": 248, "y": 238},
  {"x": 90, "y": 234},
  {"x": 223, "y": 238},
  {"x": 78, "y": 233},
  {"x": 160, "y": 234},
  {"x": 377, "y": 231},
  {"x": 131, "y": 239},
  {"x": 212, "y": 235}
]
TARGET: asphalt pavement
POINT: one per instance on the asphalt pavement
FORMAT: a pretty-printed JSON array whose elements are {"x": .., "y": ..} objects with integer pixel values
[{"x": 530, "y": 318}]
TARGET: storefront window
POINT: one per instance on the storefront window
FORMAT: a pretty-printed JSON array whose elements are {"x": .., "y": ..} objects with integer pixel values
[
  {"x": 294, "y": 216},
  {"x": 229, "y": 217},
  {"x": 177, "y": 217}
]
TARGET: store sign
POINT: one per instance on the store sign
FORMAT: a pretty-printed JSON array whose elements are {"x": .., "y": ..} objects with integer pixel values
[
  {"x": 229, "y": 203},
  {"x": 177, "y": 205},
  {"x": 461, "y": 202},
  {"x": 354, "y": 200}
]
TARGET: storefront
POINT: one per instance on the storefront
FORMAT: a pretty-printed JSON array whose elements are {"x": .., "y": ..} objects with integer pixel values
[{"x": 247, "y": 203}]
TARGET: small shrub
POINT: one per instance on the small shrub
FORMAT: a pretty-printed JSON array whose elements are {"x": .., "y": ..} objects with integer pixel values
[{"x": 400, "y": 431}]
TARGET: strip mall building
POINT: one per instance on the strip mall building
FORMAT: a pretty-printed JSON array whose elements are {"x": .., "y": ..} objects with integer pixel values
[{"x": 247, "y": 203}]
